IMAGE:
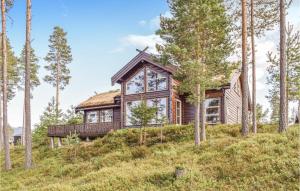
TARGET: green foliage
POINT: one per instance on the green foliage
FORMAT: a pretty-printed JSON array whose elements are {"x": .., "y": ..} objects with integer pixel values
[
  {"x": 141, "y": 115},
  {"x": 266, "y": 161},
  {"x": 73, "y": 139},
  {"x": 58, "y": 57},
  {"x": 72, "y": 117},
  {"x": 197, "y": 40},
  {"x": 12, "y": 70},
  {"x": 260, "y": 114},
  {"x": 34, "y": 67},
  {"x": 293, "y": 72}
]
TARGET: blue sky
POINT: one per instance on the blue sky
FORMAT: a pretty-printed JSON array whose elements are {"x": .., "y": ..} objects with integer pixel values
[{"x": 103, "y": 36}]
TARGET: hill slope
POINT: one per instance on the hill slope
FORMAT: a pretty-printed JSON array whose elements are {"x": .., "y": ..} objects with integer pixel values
[{"x": 226, "y": 161}]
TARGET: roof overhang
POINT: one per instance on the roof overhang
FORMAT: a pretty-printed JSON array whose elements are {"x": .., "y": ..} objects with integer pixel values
[
  {"x": 77, "y": 109},
  {"x": 140, "y": 58}
]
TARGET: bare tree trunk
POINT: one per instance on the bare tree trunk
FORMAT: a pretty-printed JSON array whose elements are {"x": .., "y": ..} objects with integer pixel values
[
  {"x": 57, "y": 90},
  {"x": 254, "y": 123},
  {"x": 4, "y": 85},
  {"x": 1, "y": 124},
  {"x": 299, "y": 111},
  {"x": 283, "y": 93},
  {"x": 23, "y": 127},
  {"x": 203, "y": 116},
  {"x": 28, "y": 139},
  {"x": 245, "y": 115},
  {"x": 197, "y": 116}
]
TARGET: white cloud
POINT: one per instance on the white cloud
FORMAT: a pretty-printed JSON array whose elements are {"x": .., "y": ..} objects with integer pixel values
[{"x": 154, "y": 23}]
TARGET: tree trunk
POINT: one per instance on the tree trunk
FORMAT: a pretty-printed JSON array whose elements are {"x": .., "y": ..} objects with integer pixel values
[
  {"x": 1, "y": 124},
  {"x": 197, "y": 116},
  {"x": 283, "y": 93},
  {"x": 254, "y": 123},
  {"x": 299, "y": 111},
  {"x": 4, "y": 85},
  {"x": 244, "y": 71},
  {"x": 203, "y": 116},
  {"x": 23, "y": 127},
  {"x": 57, "y": 90},
  {"x": 28, "y": 139}
]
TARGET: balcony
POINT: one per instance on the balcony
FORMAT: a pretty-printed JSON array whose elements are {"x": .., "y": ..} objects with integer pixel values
[{"x": 83, "y": 130}]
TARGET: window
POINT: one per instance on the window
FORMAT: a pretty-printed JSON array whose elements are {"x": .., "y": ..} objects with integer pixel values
[
  {"x": 129, "y": 106},
  {"x": 212, "y": 106},
  {"x": 92, "y": 117},
  {"x": 106, "y": 115},
  {"x": 161, "y": 104},
  {"x": 156, "y": 81},
  {"x": 178, "y": 112},
  {"x": 136, "y": 84}
]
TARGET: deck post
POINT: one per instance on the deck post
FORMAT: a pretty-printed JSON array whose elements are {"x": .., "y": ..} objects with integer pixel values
[
  {"x": 59, "y": 143},
  {"x": 87, "y": 139},
  {"x": 52, "y": 142}
]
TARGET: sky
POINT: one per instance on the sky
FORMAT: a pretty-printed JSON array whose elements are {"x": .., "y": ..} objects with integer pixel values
[{"x": 103, "y": 36}]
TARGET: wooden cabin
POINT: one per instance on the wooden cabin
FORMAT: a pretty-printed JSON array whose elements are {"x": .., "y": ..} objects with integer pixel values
[{"x": 143, "y": 78}]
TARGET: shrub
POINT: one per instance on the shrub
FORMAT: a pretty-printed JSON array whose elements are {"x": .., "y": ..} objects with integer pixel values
[{"x": 140, "y": 152}]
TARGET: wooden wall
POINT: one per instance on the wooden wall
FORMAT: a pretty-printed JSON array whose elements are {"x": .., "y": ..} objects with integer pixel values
[{"x": 233, "y": 105}]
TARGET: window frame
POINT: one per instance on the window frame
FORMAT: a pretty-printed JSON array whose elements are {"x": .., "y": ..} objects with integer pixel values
[
  {"x": 126, "y": 122},
  {"x": 157, "y": 73},
  {"x": 103, "y": 120},
  {"x": 176, "y": 110},
  {"x": 166, "y": 113},
  {"x": 144, "y": 84},
  {"x": 96, "y": 115},
  {"x": 213, "y": 107}
]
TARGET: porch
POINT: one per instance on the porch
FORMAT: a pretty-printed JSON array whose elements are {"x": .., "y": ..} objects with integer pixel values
[{"x": 88, "y": 130}]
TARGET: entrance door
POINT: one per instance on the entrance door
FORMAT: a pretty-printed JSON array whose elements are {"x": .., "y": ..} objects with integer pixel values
[{"x": 178, "y": 112}]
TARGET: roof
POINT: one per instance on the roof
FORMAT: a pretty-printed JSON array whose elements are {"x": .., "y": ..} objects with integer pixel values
[
  {"x": 101, "y": 99},
  {"x": 142, "y": 56}
]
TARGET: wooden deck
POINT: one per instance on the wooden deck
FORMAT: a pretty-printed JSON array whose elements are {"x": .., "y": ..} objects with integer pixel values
[{"x": 84, "y": 130}]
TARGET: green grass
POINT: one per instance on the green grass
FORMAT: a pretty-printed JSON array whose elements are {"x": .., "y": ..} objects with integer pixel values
[{"x": 226, "y": 161}]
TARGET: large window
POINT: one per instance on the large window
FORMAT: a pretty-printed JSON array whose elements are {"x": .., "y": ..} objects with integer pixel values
[
  {"x": 136, "y": 84},
  {"x": 106, "y": 115},
  {"x": 129, "y": 106},
  {"x": 161, "y": 105},
  {"x": 92, "y": 117},
  {"x": 178, "y": 112},
  {"x": 156, "y": 81},
  {"x": 212, "y": 106}
]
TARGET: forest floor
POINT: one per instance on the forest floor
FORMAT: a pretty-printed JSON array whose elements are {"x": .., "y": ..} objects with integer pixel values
[{"x": 225, "y": 161}]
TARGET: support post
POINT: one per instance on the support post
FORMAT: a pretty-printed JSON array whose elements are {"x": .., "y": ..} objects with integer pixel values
[
  {"x": 87, "y": 139},
  {"x": 52, "y": 142},
  {"x": 59, "y": 143}
]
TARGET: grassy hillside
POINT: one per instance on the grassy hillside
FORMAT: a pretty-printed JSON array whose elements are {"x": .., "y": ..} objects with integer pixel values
[{"x": 226, "y": 161}]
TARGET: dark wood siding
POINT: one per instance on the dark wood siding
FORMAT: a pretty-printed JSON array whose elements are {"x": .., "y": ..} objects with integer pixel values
[{"x": 233, "y": 105}]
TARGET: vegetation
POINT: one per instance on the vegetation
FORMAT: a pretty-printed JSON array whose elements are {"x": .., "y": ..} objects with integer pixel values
[{"x": 266, "y": 161}]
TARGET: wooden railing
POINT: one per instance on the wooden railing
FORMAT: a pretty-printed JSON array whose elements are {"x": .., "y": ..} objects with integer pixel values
[{"x": 83, "y": 130}]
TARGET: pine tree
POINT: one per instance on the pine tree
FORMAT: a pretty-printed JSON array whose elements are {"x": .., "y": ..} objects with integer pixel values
[
  {"x": 34, "y": 79},
  {"x": 28, "y": 138},
  {"x": 4, "y": 85},
  {"x": 58, "y": 57},
  {"x": 261, "y": 114},
  {"x": 12, "y": 72},
  {"x": 197, "y": 41},
  {"x": 293, "y": 73}
]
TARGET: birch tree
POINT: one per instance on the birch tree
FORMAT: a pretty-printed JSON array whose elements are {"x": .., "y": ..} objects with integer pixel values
[{"x": 58, "y": 57}]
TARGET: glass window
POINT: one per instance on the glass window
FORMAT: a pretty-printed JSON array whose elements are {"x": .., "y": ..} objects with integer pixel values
[
  {"x": 156, "y": 81},
  {"x": 161, "y": 104},
  {"x": 92, "y": 117},
  {"x": 106, "y": 115},
  {"x": 129, "y": 106},
  {"x": 178, "y": 112},
  {"x": 136, "y": 84},
  {"x": 212, "y": 106}
]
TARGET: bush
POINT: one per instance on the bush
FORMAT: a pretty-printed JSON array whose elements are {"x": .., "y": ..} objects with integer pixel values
[{"x": 140, "y": 152}]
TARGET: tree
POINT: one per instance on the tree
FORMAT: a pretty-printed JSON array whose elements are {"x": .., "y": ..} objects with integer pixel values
[
  {"x": 34, "y": 79},
  {"x": 197, "y": 41},
  {"x": 4, "y": 85},
  {"x": 293, "y": 73},
  {"x": 28, "y": 138},
  {"x": 58, "y": 57},
  {"x": 12, "y": 73},
  {"x": 244, "y": 71},
  {"x": 141, "y": 115},
  {"x": 72, "y": 117},
  {"x": 261, "y": 114}
]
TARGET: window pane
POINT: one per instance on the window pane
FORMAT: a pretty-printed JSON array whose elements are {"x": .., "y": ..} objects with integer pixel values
[
  {"x": 136, "y": 84},
  {"x": 156, "y": 81},
  {"x": 106, "y": 115},
  {"x": 210, "y": 111},
  {"x": 212, "y": 102},
  {"x": 129, "y": 106},
  {"x": 212, "y": 119},
  {"x": 92, "y": 117},
  {"x": 161, "y": 104}
]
